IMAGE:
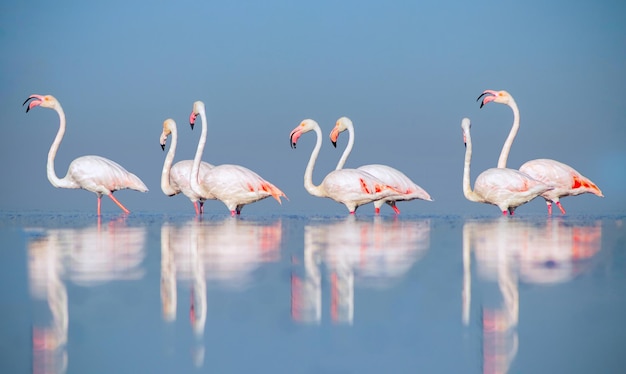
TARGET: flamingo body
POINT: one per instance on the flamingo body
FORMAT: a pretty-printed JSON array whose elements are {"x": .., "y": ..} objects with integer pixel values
[
  {"x": 236, "y": 186},
  {"x": 407, "y": 189},
  {"x": 505, "y": 188},
  {"x": 233, "y": 185},
  {"x": 92, "y": 173},
  {"x": 176, "y": 179},
  {"x": 350, "y": 187},
  {"x": 564, "y": 179}
]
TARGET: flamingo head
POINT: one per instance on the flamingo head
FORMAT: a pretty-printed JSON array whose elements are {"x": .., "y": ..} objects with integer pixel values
[
  {"x": 341, "y": 125},
  {"x": 501, "y": 97},
  {"x": 465, "y": 125},
  {"x": 198, "y": 107},
  {"x": 304, "y": 126},
  {"x": 168, "y": 125},
  {"x": 47, "y": 101}
]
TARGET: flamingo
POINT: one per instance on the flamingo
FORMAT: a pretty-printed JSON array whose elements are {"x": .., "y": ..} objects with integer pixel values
[
  {"x": 233, "y": 185},
  {"x": 393, "y": 177},
  {"x": 175, "y": 179},
  {"x": 565, "y": 179},
  {"x": 350, "y": 187},
  {"x": 92, "y": 173},
  {"x": 505, "y": 188}
]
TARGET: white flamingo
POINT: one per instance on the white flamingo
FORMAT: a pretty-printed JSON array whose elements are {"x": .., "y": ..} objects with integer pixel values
[
  {"x": 565, "y": 179},
  {"x": 233, "y": 185},
  {"x": 92, "y": 173},
  {"x": 175, "y": 179},
  {"x": 505, "y": 188},
  {"x": 350, "y": 187},
  {"x": 391, "y": 176}
]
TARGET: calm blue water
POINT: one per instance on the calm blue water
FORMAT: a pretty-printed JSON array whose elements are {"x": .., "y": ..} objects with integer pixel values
[{"x": 312, "y": 294}]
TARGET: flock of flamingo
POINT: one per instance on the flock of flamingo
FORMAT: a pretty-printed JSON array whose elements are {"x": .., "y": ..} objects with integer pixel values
[{"x": 236, "y": 186}]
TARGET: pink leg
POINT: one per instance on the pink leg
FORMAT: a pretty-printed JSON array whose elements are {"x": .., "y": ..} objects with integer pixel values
[
  {"x": 377, "y": 210},
  {"x": 118, "y": 204},
  {"x": 352, "y": 212},
  {"x": 395, "y": 209},
  {"x": 549, "y": 207},
  {"x": 504, "y": 212},
  {"x": 558, "y": 203},
  {"x": 232, "y": 213},
  {"x": 195, "y": 207},
  {"x": 99, "y": 203}
]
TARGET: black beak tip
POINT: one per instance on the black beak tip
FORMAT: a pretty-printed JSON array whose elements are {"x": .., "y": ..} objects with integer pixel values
[
  {"x": 334, "y": 144},
  {"x": 162, "y": 146}
]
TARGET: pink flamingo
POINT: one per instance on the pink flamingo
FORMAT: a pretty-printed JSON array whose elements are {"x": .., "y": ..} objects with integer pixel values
[
  {"x": 505, "y": 188},
  {"x": 233, "y": 185},
  {"x": 350, "y": 187},
  {"x": 393, "y": 177},
  {"x": 565, "y": 179},
  {"x": 176, "y": 179},
  {"x": 92, "y": 173}
]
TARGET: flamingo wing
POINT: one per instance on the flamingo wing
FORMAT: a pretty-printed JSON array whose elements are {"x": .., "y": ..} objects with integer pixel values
[
  {"x": 395, "y": 178},
  {"x": 566, "y": 180},
  {"x": 101, "y": 175}
]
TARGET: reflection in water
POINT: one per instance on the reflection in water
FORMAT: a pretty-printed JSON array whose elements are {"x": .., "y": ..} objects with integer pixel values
[
  {"x": 226, "y": 252},
  {"x": 374, "y": 253},
  {"x": 86, "y": 256},
  {"x": 508, "y": 251}
]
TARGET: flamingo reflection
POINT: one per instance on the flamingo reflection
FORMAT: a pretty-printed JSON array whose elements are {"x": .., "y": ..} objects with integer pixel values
[
  {"x": 509, "y": 252},
  {"x": 225, "y": 252},
  {"x": 86, "y": 256},
  {"x": 376, "y": 253}
]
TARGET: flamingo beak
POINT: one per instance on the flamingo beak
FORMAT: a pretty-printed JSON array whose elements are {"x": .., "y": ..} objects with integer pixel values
[
  {"x": 293, "y": 137},
  {"x": 192, "y": 119},
  {"x": 334, "y": 135},
  {"x": 487, "y": 99},
  {"x": 36, "y": 100}
]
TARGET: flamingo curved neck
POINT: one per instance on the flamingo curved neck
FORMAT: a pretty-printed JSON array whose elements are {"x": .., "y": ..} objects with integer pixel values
[
  {"x": 506, "y": 148},
  {"x": 467, "y": 188},
  {"x": 195, "y": 169},
  {"x": 167, "y": 165},
  {"x": 346, "y": 152},
  {"x": 308, "y": 173},
  {"x": 52, "y": 176}
]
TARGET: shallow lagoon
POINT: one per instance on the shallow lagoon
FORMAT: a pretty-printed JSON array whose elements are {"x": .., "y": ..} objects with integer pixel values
[{"x": 312, "y": 294}]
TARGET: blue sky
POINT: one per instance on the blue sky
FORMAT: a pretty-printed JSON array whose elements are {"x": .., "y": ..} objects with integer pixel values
[{"x": 405, "y": 72}]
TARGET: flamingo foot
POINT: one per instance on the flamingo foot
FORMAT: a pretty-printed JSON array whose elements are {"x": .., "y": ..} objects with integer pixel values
[{"x": 558, "y": 203}]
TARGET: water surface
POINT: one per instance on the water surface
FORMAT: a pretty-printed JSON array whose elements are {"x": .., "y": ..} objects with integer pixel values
[{"x": 312, "y": 294}]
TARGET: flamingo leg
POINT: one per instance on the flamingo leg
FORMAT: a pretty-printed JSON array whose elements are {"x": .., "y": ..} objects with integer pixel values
[
  {"x": 201, "y": 203},
  {"x": 116, "y": 202},
  {"x": 549, "y": 203},
  {"x": 558, "y": 203},
  {"x": 395, "y": 208},
  {"x": 377, "y": 210},
  {"x": 99, "y": 203}
]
